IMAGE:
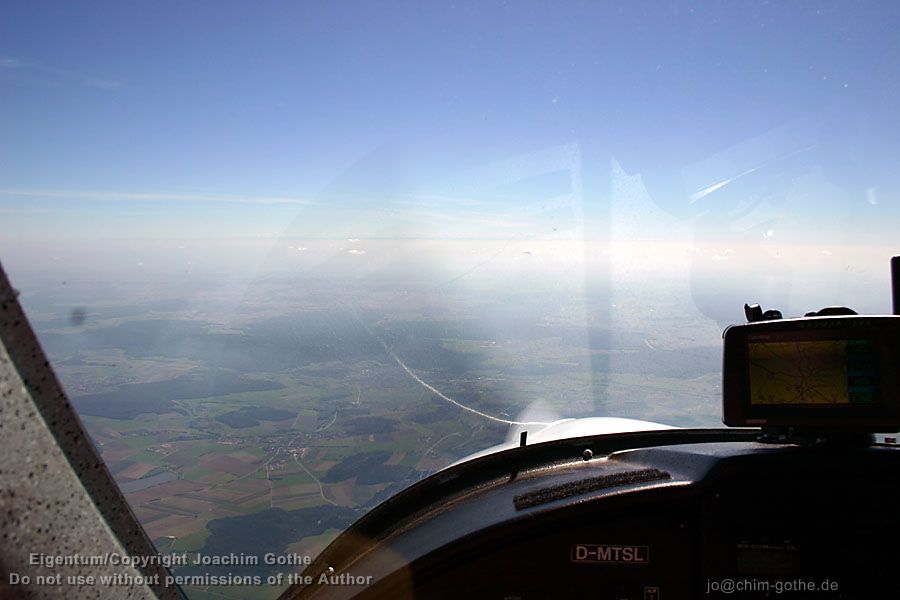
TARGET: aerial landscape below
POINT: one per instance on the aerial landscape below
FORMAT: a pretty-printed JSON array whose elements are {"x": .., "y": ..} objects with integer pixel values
[{"x": 270, "y": 426}]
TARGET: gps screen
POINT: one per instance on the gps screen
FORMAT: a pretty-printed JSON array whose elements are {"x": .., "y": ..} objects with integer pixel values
[{"x": 821, "y": 372}]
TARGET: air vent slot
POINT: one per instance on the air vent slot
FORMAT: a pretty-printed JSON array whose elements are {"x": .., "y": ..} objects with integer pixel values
[{"x": 576, "y": 488}]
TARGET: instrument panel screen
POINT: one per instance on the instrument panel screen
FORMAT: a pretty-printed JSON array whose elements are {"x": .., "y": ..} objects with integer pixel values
[{"x": 818, "y": 372}]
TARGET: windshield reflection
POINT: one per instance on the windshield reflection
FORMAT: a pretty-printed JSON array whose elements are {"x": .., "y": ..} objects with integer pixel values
[{"x": 292, "y": 266}]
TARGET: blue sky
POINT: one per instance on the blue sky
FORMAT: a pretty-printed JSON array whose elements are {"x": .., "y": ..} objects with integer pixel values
[{"x": 237, "y": 119}]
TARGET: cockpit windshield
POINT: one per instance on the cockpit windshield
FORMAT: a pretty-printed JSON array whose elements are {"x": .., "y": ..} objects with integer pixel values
[{"x": 288, "y": 259}]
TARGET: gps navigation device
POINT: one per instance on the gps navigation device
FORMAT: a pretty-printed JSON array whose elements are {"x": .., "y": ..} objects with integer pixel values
[{"x": 821, "y": 373}]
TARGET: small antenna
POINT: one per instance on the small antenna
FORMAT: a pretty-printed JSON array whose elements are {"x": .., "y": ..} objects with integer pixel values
[{"x": 895, "y": 284}]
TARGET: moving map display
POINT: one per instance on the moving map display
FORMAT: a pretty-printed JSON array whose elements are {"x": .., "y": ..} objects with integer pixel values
[{"x": 821, "y": 372}]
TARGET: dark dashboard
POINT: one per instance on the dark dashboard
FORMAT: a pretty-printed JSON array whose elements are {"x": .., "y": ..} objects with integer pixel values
[{"x": 654, "y": 515}]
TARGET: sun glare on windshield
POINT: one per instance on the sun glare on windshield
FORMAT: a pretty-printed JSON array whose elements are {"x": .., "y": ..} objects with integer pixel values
[{"x": 289, "y": 259}]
